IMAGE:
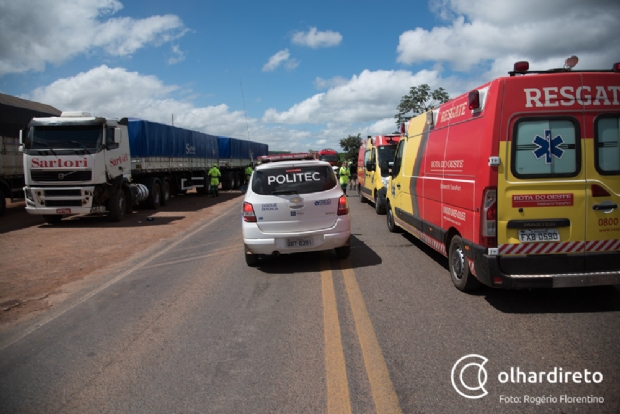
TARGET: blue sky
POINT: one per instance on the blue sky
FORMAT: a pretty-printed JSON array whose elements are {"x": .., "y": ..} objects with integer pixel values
[{"x": 294, "y": 75}]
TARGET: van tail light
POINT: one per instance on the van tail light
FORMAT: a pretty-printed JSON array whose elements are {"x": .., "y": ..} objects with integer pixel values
[
  {"x": 488, "y": 220},
  {"x": 343, "y": 206},
  {"x": 598, "y": 191},
  {"x": 248, "y": 213},
  {"x": 473, "y": 99}
]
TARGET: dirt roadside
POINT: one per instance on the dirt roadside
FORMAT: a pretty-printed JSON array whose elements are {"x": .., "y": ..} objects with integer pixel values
[{"x": 39, "y": 261}]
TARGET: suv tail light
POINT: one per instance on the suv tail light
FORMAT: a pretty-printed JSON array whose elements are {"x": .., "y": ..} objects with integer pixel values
[
  {"x": 488, "y": 220},
  {"x": 343, "y": 206},
  {"x": 248, "y": 213}
]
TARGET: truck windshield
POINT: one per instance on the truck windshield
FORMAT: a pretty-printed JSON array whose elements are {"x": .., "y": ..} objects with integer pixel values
[
  {"x": 329, "y": 157},
  {"x": 71, "y": 137},
  {"x": 385, "y": 156}
]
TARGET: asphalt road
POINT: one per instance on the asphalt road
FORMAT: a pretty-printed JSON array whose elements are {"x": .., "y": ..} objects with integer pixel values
[{"x": 189, "y": 328}]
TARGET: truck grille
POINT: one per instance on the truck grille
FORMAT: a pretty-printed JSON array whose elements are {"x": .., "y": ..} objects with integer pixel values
[
  {"x": 63, "y": 193},
  {"x": 61, "y": 175},
  {"x": 63, "y": 203}
]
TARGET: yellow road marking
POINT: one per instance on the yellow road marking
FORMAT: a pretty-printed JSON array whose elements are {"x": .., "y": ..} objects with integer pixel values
[
  {"x": 383, "y": 392},
  {"x": 338, "y": 398}
]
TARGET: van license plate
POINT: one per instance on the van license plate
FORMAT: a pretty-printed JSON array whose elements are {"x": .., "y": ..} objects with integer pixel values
[
  {"x": 299, "y": 242},
  {"x": 542, "y": 235}
]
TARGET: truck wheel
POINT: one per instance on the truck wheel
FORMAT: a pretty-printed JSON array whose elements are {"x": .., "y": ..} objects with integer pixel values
[
  {"x": 52, "y": 219},
  {"x": 379, "y": 208},
  {"x": 154, "y": 200},
  {"x": 459, "y": 268},
  {"x": 2, "y": 203},
  {"x": 392, "y": 227},
  {"x": 343, "y": 252},
  {"x": 117, "y": 206},
  {"x": 165, "y": 193},
  {"x": 359, "y": 193}
]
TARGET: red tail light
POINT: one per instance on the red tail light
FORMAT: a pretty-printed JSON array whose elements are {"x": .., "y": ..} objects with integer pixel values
[
  {"x": 248, "y": 213},
  {"x": 598, "y": 191},
  {"x": 488, "y": 219},
  {"x": 343, "y": 206}
]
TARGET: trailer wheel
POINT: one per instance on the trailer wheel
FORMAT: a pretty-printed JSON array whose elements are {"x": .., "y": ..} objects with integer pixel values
[
  {"x": 154, "y": 200},
  {"x": 459, "y": 268},
  {"x": 165, "y": 193},
  {"x": 51, "y": 218},
  {"x": 117, "y": 206}
]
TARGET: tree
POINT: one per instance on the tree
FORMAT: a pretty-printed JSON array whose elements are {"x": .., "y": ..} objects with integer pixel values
[
  {"x": 351, "y": 146},
  {"x": 419, "y": 100}
]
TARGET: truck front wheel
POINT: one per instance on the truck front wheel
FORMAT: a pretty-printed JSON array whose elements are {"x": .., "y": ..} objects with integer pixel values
[{"x": 117, "y": 206}]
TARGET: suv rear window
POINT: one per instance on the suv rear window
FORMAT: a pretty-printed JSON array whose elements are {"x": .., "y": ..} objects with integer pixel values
[{"x": 293, "y": 180}]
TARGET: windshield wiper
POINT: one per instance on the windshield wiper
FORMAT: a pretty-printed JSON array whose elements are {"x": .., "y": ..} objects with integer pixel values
[
  {"x": 81, "y": 145},
  {"x": 46, "y": 144}
]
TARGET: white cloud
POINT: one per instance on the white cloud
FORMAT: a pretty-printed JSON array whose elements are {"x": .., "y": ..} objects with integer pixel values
[
  {"x": 279, "y": 58},
  {"x": 34, "y": 33},
  {"x": 178, "y": 55},
  {"x": 118, "y": 93},
  {"x": 364, "y": 98},
  {"x": 483, "y": 31},
  {"x": 321, "y": 83},
  {"x": 315, "y": 39}
]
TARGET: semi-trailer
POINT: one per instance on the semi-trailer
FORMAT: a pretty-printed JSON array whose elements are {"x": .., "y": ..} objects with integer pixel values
[{"x": 77, "y": 163}]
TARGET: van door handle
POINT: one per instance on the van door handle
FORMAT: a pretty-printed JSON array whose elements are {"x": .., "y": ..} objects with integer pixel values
[
  {"x": 605, "y": 205},
  {"x": 398, "y": 186}
]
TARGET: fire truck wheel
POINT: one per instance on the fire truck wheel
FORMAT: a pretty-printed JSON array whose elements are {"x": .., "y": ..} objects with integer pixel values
[
  {"x": 459, "y": 268},
  {"x": 52, "y": 219},
  {"x": 392, "y": 227},
  {"x": 165, "y": 193},
  {"x": 379, "y": 208},
  {"x": 359, "y": 193},
  {"x": 117, "y": 206}
]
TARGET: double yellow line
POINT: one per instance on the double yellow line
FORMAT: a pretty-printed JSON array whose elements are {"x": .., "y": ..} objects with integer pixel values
[{"x": 338, "y": 397}]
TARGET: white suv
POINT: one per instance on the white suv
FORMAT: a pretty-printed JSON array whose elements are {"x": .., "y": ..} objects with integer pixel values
[{"x": 294, "y": 204}]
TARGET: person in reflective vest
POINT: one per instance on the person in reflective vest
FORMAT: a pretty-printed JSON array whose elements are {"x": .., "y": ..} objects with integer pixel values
[
  {"x": 248, "y": 173},
  {"x": 215, "y": 174},
  {"x": 344, "y": 174}
]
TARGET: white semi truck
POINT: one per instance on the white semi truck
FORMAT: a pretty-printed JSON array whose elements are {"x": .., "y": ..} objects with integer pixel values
[{"x": 80, "y": 164}]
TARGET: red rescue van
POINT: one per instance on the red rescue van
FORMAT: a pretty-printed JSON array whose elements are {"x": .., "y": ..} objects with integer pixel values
[{"x": 517, "y": 182}]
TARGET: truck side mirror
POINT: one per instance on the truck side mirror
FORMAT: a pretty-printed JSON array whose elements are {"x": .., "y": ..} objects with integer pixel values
[
  {"x": 117, "y": 135},
  {"x": 21, "y": 140}
]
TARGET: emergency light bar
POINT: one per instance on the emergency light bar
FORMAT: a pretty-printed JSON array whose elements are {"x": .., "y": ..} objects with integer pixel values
[{"x": 286, "y": 157}]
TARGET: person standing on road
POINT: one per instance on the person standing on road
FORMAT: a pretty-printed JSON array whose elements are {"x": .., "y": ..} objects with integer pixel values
[
  {"x": 215, "y": 174},
  {"x": 248, "y": 173},
  {"x": 344, "y": 174},
  {"x": 353, "y": 171}
]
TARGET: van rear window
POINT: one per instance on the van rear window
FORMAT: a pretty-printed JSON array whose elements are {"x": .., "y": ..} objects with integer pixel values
[
  {"x": 545, "y": 147},
  {"x": 607, "y": 138},
  {"x": 293, "y": 180}
]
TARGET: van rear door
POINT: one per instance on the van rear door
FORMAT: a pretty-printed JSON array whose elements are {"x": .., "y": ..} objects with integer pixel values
[
  {"x": 602, "y": 154},
  {"x": 542, "y": 194}
]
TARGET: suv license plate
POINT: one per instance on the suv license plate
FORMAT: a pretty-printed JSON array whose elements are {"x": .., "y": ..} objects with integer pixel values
[
  {"x": 542, "y": 235},
  {"x": 299, "y": 242}
]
